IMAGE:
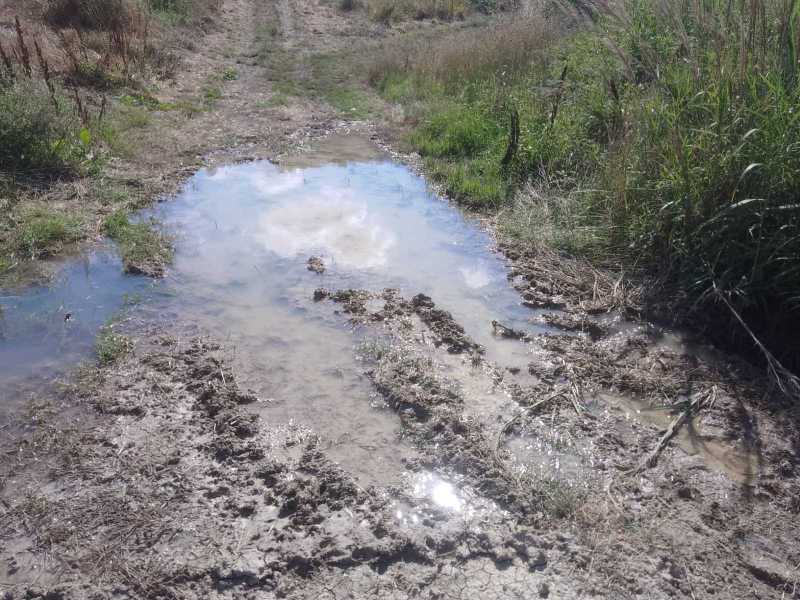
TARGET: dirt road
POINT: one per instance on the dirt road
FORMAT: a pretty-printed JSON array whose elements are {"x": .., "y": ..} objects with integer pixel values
[{"x": 157, "y": 475}]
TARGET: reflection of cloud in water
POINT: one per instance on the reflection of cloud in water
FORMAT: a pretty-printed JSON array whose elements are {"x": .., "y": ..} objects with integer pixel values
[
  {"x": 475, "y": 277},
  {"x": 330, "y": 223},
  {"x": 269, "y": 181},
  {"x": 277, "y": 183}
]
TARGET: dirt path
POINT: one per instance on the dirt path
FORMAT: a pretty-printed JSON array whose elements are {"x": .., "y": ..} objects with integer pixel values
[
  {"x": 155, "y": 477},
  {"x": 241, "y": 123}
]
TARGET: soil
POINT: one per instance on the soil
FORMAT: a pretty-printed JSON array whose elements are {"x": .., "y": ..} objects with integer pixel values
[{"x": 154, "y": 476}]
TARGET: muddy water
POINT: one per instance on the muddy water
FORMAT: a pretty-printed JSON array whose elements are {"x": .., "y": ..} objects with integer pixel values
[
  {"x": 47, "y": 330},
  {"x": 734, "y": 460},
  {"x": 245, "y": 235}
]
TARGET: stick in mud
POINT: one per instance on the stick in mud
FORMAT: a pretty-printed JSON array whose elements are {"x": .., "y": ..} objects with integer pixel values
[{"x": 701, "y": 400}]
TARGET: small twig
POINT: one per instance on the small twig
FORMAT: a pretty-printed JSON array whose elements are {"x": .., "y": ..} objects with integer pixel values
[
  {"x": 575, "y": 397},
  {"x": 700, "y": 401}
]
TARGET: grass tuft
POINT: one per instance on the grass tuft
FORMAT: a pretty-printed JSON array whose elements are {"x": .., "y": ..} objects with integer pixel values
[
  {"x": 112, "y": 347},
  {"x": 44, "y": 232},
  {"x": 143, "y": 247}
]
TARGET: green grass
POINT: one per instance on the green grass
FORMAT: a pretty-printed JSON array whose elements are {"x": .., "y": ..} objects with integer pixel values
[
  {"x": 142, "y": 246},
  {"x": 119, "y": 125},
  {"x": 111, "y": 347},
  {"x": 44, "y": 232},
  {"x": 351, "y": 102},
  {"x": 172, "y": 12},
  {"x": 668, "y": 132},
  {"x": 211, "y": 94},
  {"x": 39, "y": 131}
]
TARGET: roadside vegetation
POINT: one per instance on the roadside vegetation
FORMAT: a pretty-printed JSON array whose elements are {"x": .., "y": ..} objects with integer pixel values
[
  {"x": 659, "y": 136},
  {"x": 390, "y": 11},
  {"x": 110, "y": 346},
  {"x": 74, "y": 89},
  {"x": 144, "y": 249}
]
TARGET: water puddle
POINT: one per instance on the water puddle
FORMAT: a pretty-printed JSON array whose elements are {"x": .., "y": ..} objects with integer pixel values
[
  {"x": 718, "y": 455},
  {"x": 244, "y": 235},
  {"x": 431, "y": 500},
  {"x": 47, "y": 330}
]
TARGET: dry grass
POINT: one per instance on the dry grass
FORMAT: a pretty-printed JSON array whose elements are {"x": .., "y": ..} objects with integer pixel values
[
  {"x": 386, "y": 11},
  {"x": 504, "y": 48}
]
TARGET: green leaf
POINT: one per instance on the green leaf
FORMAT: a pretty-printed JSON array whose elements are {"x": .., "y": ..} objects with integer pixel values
[{"x": 85, "y": 136}]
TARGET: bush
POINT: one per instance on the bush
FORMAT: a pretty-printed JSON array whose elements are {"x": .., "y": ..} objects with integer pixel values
[{"x": 37, "y": 132}]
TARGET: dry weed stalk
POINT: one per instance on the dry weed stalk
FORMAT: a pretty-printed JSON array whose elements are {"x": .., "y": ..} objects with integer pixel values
[
  {"x": 45, "y": 67},
  {"x": 23, "y": 56},
  {"x": 9, "y": 67}
]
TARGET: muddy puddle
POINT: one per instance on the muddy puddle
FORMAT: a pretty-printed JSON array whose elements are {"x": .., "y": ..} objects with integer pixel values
[
  {"x": 46, "y": 330},
  {"x": 727, "y": 457},
  {"x": 242, "y": 273},
  {"x": 244, "y": 235}
]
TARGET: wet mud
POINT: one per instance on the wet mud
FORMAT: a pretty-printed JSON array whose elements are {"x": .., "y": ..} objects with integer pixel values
[
  {"x": 341, "y": 392},
  {"x": 168, "y": 484}
]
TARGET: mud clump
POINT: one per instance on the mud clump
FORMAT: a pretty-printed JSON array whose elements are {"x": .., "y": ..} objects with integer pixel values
[
  {"x": 508, "y": 332},
  {"x": 354, "y": 302},
  {"x": 196, "y": 469},
  {"x": 444, "y": 326},
  {"x": 578, "y": 323},
  {"x": 446, "y": 331},
  {"x": 316, "y": 265}
]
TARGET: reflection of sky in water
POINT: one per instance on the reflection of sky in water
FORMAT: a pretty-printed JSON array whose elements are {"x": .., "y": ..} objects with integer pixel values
[
  {"x": 246, "y": 232},
  {"x": 243, "y": 235},
  {"x": 375, "y": 224},
  {"x": 331, "y": 224},
  {"x": 431, "y": 493},
  {"x": 475, "y": 277}
]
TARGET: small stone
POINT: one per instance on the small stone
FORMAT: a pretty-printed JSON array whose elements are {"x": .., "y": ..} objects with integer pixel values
[
  {"x": 316, "y": 265},
  {"x": 544, "y": 590}
]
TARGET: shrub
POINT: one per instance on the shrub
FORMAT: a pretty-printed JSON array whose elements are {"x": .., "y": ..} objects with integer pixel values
[{"x": 39, "y": 131}]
